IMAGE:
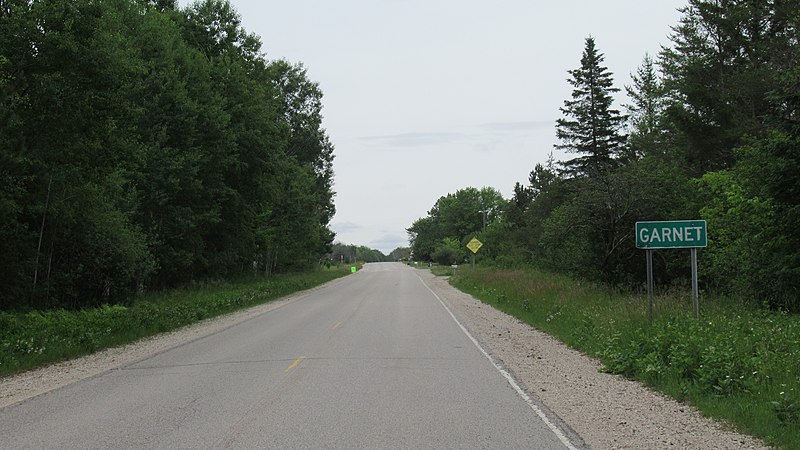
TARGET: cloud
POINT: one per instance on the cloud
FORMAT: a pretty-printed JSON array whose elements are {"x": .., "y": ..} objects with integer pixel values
[
  {"x": 345, "y": 227},
  {"x": 519, "y": 126},
  {"x": 413, "y": 139},
  {"x": 388, "y": 242},
  {"x": 419, "y": 139}
]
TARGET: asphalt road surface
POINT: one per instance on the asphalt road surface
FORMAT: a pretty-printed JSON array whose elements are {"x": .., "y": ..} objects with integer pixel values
[{"x": 373, "y": 360}]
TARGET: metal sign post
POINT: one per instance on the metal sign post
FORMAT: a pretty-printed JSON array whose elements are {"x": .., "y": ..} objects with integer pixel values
[
  {"x": 649, "y": 257},
  {"x": 689, "y": 234},
  {"x": 694, "y": 284}
]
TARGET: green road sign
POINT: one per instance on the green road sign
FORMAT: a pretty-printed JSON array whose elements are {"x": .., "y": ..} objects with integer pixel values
[{"x": 671, "y": 234}]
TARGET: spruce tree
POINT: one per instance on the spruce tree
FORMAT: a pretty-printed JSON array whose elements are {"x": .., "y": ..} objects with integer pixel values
[
  {"x": 724, "y": 61},
  {"x": 590, "y": 127},
  {"x": 646, "y": 112}
]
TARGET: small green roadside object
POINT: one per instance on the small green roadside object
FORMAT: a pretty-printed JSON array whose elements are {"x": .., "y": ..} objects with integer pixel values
[{"x": 352, "y": 269}]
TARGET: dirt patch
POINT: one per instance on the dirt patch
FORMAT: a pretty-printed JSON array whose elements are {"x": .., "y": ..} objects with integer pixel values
[{"x": 607, "y": 411}]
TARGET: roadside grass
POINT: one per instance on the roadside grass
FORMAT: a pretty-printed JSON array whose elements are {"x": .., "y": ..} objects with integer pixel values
[
  {"x": 442, "y": 271},
  {"x": 436, "y": 269},
  {"x": 36, "y": 338},
  {"x": 737, "y": 363}
]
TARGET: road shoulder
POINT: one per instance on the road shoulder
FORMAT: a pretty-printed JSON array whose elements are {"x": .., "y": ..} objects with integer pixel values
[
  {"x": 25, "y": 385},
  {"x": 607, "y": 411}
]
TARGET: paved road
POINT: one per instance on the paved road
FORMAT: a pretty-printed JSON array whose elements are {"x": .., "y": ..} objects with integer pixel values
[{"x": 373, "y": 360}]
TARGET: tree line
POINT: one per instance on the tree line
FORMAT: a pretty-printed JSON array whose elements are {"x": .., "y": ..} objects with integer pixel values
[
  {"x": 143, "y": 146},
  {"x": 710, "y": 130},
  {"x": 349, "y": 254}
]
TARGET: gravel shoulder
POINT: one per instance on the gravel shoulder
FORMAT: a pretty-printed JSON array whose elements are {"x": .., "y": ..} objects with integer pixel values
[{"x": 607, "y": 411}]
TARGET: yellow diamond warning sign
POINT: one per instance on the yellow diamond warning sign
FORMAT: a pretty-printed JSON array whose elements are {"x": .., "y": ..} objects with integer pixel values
[{"x": 475, "y": 245}]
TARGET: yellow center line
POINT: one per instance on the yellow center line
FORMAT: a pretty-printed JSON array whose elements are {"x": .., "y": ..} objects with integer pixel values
[
  {"x": 338, "y": 324},
  {"x": 294, "y": 364}
]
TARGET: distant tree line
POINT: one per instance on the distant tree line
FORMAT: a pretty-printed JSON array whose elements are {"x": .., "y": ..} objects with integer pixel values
[
  {"x": 348, "y": 254},
  {"x": 143, "y": 146},
  {"x": 711, "y": 130}
]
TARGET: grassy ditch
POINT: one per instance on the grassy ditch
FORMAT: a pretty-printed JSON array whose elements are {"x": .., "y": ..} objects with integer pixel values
[
  {"x": 736, "y": 363},
  {"x": 36, "y": 338}
]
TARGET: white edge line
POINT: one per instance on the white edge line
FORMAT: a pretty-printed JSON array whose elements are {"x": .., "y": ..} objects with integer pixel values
[{"x": 557, "y": 431}]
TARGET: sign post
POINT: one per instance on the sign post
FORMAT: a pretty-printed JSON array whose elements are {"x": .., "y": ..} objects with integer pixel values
[
  {"x": 694, "y": 283},
  {"x": 474, "y": 245},
  {"x": 649, "y": 257},
  {"x": 689, "y": 234}
]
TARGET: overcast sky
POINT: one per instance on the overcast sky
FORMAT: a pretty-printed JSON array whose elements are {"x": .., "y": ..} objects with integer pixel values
[{"x": 425, "y": 97}]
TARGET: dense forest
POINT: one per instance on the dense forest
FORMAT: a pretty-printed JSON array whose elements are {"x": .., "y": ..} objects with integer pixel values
[
  {"x": 144, "y": 146},
  {"x": 710, "y": 130}
]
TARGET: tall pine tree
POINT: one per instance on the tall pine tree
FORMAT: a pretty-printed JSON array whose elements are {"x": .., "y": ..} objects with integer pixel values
[
  {"x": 590, "y": 126},
  {"x": 718, "y": 74},
  {"x": 646, "y": 112}
]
